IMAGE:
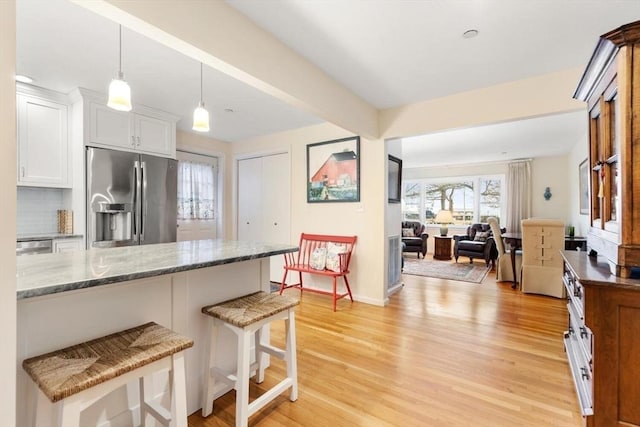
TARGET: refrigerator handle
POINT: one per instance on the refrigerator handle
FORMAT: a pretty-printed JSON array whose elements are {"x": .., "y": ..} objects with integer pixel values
[
  {"x": 143, "y": 202},
  {"x": 136, "y": 198}
]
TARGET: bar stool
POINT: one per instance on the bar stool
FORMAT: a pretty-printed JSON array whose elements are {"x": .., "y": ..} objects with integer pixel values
[
  {"x": 246, "y": 316},
  {"x": 72, "y": 379}
]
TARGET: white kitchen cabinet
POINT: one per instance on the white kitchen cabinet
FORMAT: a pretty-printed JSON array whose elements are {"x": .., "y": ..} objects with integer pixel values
[
  {"x": 43, "y": 146},
  {"x": 132, "y": 131},
  {"x": 70, "y": 244}
]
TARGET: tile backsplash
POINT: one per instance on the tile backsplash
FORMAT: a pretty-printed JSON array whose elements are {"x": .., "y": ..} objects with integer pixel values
[{"x": 38, "y": 209}]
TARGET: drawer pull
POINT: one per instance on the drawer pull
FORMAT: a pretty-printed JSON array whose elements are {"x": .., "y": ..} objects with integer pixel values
[
  {"x": 585, "y": 373},
  {"x": 583, "y": 332}
]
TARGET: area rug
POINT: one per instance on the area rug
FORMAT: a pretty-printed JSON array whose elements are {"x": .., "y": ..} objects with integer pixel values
[{"x": 463, "y": 272}]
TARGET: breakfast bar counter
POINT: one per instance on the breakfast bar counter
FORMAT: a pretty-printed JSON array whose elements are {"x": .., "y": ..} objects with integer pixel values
[{"x": 66, "y": 298}]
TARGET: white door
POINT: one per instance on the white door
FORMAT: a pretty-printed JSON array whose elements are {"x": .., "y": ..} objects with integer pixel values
[
  {"x": 264, "y": 211},
  {"x": 153, "y": 135},
  {"x": 276, "y": 207},
  {"x": 199, "y": 229},
  {"x": 250, "y": 199}
]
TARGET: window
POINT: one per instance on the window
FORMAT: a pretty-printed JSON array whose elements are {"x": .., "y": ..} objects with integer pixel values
[
  {"x": 470, "y": 199},
  {"x": 196, "y": 190}
]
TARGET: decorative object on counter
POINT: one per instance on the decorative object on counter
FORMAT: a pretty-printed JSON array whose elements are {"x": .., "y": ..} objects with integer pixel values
[
  {"x": 67, "y": 377},
  {"x": 245, "y": 317},
  {"x": 443, "y": 218},
  {"x": 119, "y": 90},
  {"x": 571, "y": 231},
  {"x": 200, "y": 115},
  {"x": 333, "y": 171},
  {"x": 547, "y": 193},
  {"x": 395, "y": 179},
  {"x": 65, "y": 221}
]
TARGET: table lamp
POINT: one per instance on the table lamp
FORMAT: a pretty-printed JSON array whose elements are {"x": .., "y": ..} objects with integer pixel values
[{"x": 443, "y": 218}]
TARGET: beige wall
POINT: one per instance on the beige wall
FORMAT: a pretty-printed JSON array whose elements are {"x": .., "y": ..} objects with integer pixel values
[
  {"x": 550, "y": 172},
  {"x": 8, "y": 212},
  {"x": 579, "y": 153},
  {"x": 364, "y": 219},
  {"x": 201, "y": 144}
]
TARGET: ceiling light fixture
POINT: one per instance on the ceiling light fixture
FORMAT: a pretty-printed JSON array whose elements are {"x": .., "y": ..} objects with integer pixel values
[
  {"x": 200, "y": 115},
  {"x": 469, "y": 34},
  {"x": 119, "y": 90},
  {"x": 23, "y": 79}
]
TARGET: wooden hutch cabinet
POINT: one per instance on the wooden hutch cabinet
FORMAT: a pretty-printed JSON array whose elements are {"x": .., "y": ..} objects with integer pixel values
[
  {"x": 611, "y": 87},
  {"x": 602, "y": 340}
]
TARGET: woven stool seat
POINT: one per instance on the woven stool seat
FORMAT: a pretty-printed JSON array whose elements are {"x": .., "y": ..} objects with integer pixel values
[
  {"x": 75, "y": 377},
  {"x": 251, "y": 308},
  {"x": 248, "y": 317}
]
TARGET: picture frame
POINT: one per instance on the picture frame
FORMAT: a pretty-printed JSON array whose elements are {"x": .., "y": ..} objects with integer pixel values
[
  {"x": 583, "y": 178},
  {"x": 333, "y": 171},
  {"x": 394, "y": 171}
]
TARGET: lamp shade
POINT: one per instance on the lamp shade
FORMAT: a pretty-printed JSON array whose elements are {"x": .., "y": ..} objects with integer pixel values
[
  {"x": 119, "y": 95},
  {"x": 201, "y": 119},
  {"x": 444, "y": 217}
]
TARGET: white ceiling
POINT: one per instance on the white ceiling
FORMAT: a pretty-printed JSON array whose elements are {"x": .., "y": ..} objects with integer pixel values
[{"x": 388, "y": 52}]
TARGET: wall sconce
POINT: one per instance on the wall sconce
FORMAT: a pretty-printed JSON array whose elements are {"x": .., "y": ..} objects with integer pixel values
[{"x": 547, "y": 193}]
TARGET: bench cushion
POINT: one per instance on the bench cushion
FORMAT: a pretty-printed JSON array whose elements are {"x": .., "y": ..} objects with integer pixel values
[{"x": 65, "y": 372}]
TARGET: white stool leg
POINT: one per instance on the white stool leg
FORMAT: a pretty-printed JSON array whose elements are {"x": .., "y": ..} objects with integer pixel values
[
  {"x": 209, "y": 379},
  {"x": 260, "y": 356},
  {"x": 143, "y": 401},
  {"x": 46, "y": 412},
  {"x": 178, "y": 391},
  {"x": 292, "y": 364},
  {"x": 242, "y": 382},
  {"x": 70, "y": 408}
]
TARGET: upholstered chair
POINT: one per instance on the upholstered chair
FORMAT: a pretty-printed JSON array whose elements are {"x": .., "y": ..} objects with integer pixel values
[
  {"x": 504, "y": 271},
  {"x": 477, "y": 243},
  {"x": 414, "y": 237},
  {"x": 542, "y": 241}
]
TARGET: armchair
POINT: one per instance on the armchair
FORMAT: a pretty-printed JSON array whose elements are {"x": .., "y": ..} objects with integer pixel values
[
  {"x": 414, "y": 237},
  {"x": 477, "y": 243}
]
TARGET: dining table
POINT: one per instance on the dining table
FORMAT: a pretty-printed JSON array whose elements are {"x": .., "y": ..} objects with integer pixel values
[{"x": 514, "y": 240}]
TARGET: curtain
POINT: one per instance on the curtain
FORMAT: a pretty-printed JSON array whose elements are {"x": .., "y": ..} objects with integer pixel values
[
  {"x": 518, "y": 194},
  {"x": 195, "y": 190}
]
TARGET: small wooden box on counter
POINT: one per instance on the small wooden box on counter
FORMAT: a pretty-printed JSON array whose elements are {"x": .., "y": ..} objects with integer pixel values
[{"x": 65, "y": 221}]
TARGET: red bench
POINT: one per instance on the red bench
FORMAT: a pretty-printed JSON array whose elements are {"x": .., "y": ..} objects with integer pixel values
[{"x": 311, "y": 248}]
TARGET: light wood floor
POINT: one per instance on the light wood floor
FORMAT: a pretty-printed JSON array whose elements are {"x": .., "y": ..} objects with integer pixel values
[{"x": 442, "y": 353}]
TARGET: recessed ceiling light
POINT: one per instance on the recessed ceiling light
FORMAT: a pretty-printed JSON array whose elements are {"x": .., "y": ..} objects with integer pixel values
[
  {"x": 228, "y": 110},
  {"x": 23, "y": 79},
  {"x": 469, "y": 34}
]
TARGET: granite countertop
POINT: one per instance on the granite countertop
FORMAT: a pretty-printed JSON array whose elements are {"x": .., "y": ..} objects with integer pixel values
[
  {"x": 26, "y": 237},
  {"x": 61, "y": 272}
]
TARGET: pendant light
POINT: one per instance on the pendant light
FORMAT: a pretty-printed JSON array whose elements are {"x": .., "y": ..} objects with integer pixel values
[
  {"x": 200, "y": 115},
  {"x": 119, "y": 90}
]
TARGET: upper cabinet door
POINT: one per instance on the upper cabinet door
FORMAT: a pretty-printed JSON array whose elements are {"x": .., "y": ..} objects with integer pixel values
[
  {"x": 43, "y": 147},
  {"x": 154, "y": 136},
  {"x": 111, "y": 127}
]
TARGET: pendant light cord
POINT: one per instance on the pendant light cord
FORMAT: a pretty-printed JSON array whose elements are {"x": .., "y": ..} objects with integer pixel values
[
  {"x": 201, "y": 84},
  {"x": 120, "y": 75}
]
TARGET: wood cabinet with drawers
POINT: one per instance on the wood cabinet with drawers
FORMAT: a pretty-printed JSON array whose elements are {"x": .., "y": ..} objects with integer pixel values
[
  {"x": 602, "y": 340},
  {"x": 610, "y": 86}
]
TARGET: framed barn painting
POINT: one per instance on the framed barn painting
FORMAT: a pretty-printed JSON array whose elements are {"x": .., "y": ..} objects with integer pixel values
[{"x": 333, "y": 171}]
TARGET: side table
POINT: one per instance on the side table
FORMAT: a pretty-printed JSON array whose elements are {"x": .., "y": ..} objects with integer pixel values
[{"x": 442, "y": 250}]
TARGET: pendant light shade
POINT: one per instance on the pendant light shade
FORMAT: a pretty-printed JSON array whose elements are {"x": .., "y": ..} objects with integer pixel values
[
  {"x": 119, "y": 90},
  {"x": 200, "y": 115}
]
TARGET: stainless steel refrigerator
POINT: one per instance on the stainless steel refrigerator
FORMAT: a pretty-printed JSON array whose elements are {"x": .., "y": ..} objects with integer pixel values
[{"x": 131, "y": 198}]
